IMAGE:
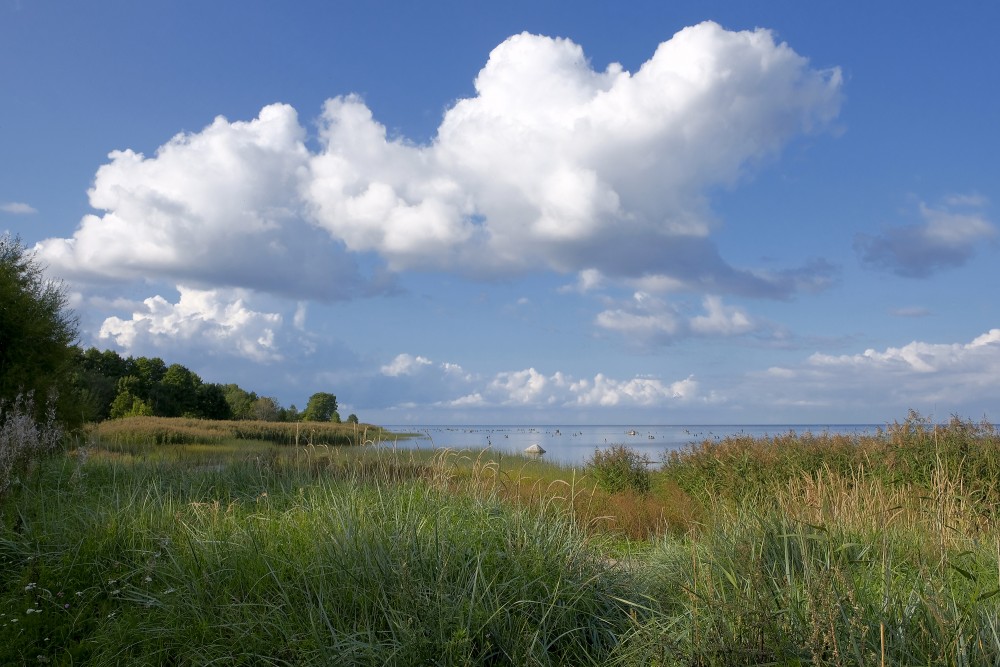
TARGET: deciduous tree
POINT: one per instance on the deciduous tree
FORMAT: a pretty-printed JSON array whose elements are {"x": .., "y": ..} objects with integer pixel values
[
  {"x": 37, "y": 331},
  {"x": 321, "y": 407}
]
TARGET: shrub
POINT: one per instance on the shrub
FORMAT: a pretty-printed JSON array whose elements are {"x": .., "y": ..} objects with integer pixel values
[
  {"x": 23, "y": 440},
  {"x": 620, "y": 468}
]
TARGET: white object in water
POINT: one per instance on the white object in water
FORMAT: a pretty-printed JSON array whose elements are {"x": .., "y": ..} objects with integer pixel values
[{"x": 535, "y": 449}]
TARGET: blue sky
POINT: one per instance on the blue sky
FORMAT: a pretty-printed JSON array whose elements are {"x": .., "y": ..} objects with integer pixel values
[{"x": 527, "y": 212}]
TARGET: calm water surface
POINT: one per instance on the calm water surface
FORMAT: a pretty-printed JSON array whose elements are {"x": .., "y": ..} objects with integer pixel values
[{"x": 572, "y": 445}]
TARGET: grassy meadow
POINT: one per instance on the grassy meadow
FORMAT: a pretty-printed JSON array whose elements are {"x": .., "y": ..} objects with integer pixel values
[{"x": 186, "y": 543}]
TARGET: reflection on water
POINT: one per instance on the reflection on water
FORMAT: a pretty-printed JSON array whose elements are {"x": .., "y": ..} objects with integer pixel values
[{"x": 572, "y": 445}]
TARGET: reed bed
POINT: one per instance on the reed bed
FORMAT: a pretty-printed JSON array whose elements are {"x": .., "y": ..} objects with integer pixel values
[
  {"x": 176, "y": 431},
  {"x": 908, "y": 452}
]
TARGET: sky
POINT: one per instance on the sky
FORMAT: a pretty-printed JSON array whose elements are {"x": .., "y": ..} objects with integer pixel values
[{"x": 537, "y": 212}]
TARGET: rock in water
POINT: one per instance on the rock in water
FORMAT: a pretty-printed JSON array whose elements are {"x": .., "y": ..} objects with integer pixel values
[{"x": 535, "y": 449}]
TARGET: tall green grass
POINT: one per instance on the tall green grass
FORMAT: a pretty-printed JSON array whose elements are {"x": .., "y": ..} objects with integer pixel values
[
  {"x": 826, "y": 550},
  {"x": 271, "y": 562},
  {"x": 791, "y": 550}
]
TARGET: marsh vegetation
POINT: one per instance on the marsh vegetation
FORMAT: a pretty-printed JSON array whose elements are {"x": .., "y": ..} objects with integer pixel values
[{"x": 197, "y": 548}]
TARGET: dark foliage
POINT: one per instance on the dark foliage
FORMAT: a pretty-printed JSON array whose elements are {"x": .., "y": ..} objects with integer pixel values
[{"x": 36, "y": 332}]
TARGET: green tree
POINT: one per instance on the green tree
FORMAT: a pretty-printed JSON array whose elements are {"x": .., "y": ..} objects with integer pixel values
[
  {"x": 266, "y": 409},
  {"x": 127, "y": 402},
  {"x": 291, "y": 414},
  {"x": 321, "y": 407},
  {"x": 352, "y": 418},
  {"x": 212, "y": 402},
  {"x": 96, "y": 380},
  {"x": 37, "y": 332},
  {"x": 148, "y": 369},
  {"x": 107, "y": 363},
  {"x": 177, "y": 393},
  {"x": 240, "y": 401}
]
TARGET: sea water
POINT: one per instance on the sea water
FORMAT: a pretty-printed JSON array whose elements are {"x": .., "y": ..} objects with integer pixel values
[{"x": 573, "y": 445}]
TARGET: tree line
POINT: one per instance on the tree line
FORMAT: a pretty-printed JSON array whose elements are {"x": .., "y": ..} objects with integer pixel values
[
  {"x": 111, "y": 386},
  {"x": 39, "y": 360}
]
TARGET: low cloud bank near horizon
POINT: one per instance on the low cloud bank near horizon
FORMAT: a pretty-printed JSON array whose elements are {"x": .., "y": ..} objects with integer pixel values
[
  {"x": 874, "y": 384},
  {"x": 919, "y": 375}
]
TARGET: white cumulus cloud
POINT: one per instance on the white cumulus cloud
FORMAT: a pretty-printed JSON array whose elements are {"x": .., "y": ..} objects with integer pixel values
[
  {"x": 551, "y": 165},
  {"x": 447, "y": 385},
  {"x": 217, "y": 321},
  {"x": 405, "y": 364},
  {"x": 883, "y": 384},
  {"x": 920, "y": 357},
  {"x": 218, "y": 207},
  {"x": 644, "y": 392}
]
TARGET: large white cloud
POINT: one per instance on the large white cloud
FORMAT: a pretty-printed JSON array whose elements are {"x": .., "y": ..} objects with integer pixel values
[{"x": 552, "y": 165}]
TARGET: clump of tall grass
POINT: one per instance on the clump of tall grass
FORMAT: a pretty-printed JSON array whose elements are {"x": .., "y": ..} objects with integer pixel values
[
  {"x": 23, "y": 440},
  {"x": 645, "y": 506},
  {"x": 762, "y": 589},
  {"x": 620, "y": 468}
]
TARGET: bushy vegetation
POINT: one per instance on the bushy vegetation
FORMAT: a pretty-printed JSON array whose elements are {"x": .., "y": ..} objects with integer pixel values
[
  {"x": 911, "y": 452},
  {"x": 23, "y": 438},
  {"x": 620, "y": 468}
]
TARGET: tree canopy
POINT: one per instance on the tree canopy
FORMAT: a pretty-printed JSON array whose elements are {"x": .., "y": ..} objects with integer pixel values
[
  {"x": 113, "y": 386},
  {"x": 37, "y": 331},
  {"x": 321, "y": 408}
]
